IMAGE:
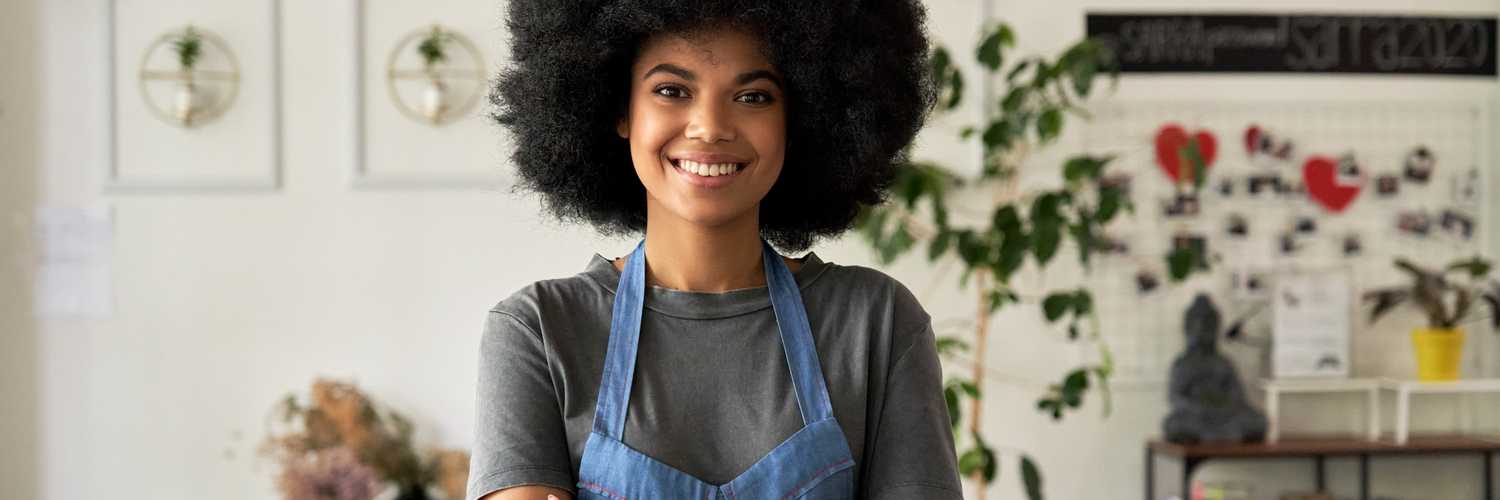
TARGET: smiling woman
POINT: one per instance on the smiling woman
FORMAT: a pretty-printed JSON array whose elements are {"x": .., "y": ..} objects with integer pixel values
[{"x": 705, "y": 364}]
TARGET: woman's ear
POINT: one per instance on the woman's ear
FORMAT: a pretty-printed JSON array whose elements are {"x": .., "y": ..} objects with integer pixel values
[{"x": 623, "y": 128}]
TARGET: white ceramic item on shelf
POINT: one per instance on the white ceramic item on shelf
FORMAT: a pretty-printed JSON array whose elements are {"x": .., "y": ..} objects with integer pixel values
[
  {"x": 185, "y": 100},
  {"x": 434, "y": 99}
]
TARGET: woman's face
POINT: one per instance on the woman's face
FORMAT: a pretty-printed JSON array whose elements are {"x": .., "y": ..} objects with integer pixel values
[{"x": 706, "y": 124}]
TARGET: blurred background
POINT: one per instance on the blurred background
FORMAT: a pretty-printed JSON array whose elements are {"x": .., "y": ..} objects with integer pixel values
[{"x": 323, "y": 198}]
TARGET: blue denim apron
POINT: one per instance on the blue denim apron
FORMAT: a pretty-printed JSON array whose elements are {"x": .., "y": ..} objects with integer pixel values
[{"x": 813, "y": 464}]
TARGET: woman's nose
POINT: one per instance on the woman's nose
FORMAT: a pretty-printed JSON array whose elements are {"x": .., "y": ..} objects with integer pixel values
[{"x": 710, "y": 123}]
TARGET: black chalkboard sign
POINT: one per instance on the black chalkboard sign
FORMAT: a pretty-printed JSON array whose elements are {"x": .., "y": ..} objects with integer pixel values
[{"x": 1298, "y": 43}]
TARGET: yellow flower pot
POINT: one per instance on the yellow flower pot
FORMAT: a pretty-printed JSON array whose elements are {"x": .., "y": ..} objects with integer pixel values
[{"x": 1439, "y": 353}]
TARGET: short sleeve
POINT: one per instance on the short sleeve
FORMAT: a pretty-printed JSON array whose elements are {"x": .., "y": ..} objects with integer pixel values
[
  {"x": 911, "y": 454},
  {"x": 519, "y": 436}
]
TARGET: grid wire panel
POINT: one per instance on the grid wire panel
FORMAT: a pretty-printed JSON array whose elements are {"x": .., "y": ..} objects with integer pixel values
[{"x": 1145, "y": 329}]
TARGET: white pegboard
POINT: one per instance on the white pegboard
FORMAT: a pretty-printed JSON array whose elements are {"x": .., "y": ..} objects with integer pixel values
[{"x": 1145, "y": 329}]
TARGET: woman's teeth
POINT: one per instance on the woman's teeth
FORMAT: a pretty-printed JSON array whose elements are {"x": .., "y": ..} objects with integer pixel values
[{"x": 708, "y": 170}]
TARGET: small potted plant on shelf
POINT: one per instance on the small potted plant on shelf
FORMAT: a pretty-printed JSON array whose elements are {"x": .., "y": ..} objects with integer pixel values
[
  {"x": 434, "y": 51},
  {"x": 189, "y": 47},
  {"x": 1451, "y": 297}
]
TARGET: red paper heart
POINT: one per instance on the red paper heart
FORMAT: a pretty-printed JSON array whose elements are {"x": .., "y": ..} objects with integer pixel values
[
  {"x": 1320, "y": 175},
  {"x": 1171, "y": 145}
]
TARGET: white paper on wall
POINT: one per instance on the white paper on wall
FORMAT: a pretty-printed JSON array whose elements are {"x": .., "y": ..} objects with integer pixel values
[
  {"x": 1311, "y": 332},
  {"x": 75, "y": 244}
]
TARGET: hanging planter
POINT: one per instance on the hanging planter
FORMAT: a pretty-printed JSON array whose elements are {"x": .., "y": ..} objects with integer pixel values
[
  {"x": 201, "y": 83},
  {"x": 445, "y": 86},
  {"x": 433, "y": 51}
]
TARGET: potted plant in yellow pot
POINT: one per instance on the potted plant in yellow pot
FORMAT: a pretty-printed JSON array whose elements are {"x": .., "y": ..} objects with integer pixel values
[{"x": 1451, "y": 297}]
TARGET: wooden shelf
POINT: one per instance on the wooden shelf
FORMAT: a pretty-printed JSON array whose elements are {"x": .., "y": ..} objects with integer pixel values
[{"x": 1318, "y": 448}]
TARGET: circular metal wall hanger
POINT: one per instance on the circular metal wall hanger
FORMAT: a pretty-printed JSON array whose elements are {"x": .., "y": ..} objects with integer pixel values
[
  {"x": 197, "y": 93},
  {"x": 440, "y": 93}
]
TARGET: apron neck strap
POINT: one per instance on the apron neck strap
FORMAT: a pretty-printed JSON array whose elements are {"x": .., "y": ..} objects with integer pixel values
[{"x": 625, "y": 334}]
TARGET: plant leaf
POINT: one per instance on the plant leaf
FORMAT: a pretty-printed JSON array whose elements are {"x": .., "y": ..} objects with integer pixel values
[
  {"x": 969, "y": 388},
  {"x": 1032, "y": 478},
  {"x": 948, "y": 345},
  {"x": 1180, "y": 263},
  {"x": 1049, "y": 125},
  {"x": 998, "y": 135},
  {"x": 939, "y": 245},
  {"x": 1056, "y": 305},
  {"x": 1109, "y": 204},
  {"x": 988, "y": 52},
  {"x": 1083, "y": 303},
  {"x": 1477, "y": 266},
  {"x": 951, "y": 396}
]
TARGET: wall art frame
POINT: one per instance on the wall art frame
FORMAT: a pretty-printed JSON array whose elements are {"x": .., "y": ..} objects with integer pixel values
[
  {"x": 362, "y": 175},
  {"x": 266, "y": 178}
]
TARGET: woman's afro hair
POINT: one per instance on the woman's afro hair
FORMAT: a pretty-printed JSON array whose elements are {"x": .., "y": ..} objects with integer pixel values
[{"x": 858, "y": 89}]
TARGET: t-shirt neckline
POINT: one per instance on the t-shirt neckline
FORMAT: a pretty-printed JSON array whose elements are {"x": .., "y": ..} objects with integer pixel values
[{"x": 705, "y": 305}]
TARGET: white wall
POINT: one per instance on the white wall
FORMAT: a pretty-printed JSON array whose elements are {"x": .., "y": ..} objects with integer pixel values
[{"x": 228, "y": 301}]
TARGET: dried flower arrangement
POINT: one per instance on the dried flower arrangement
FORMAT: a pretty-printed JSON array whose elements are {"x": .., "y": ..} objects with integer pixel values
[{"x": 337, "y": 445}]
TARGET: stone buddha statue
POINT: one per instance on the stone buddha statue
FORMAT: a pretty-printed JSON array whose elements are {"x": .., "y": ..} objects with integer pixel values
[{"x": 1208, "y": 401}]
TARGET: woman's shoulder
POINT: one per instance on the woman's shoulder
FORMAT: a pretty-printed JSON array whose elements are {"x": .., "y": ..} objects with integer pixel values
[
  {"x": 874, "y": 291},
  {"x": 559, "y": 296}
]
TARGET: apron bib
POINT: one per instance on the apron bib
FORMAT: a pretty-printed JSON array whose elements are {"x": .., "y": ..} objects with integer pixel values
[{"x": 813, "y": 464}]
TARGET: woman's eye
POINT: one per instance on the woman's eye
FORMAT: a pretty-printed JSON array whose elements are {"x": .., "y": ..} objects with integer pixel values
[
  {"x": 754, "y": 98},
  {"x": 672, "y": 92}
]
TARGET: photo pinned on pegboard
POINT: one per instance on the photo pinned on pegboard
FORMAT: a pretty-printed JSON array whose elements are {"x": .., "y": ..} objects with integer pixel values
[
  {"x": 1226, "y": 187},
  {"x": 1353, "y": 245},
  {"x": 1388, "y": 185},
  {"x": 1419, "y": 165},
  {"x": 1146, "y": 282},
  {"x": 1183, "y": 205},
  {"x": 1349, "y": 172},
  {"x": 1266, "y": 148},
  {"x": 1264, "y": 186},
  {"x": 1238, "y": 226},
  {"x": 1288, "y": 244},
  {"x": 1305, "y": 225},
  {"x": 1457, "y": 224},
  {"x": 1415, "y": 223}
]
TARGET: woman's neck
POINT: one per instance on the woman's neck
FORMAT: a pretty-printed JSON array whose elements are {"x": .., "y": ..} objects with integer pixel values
[{"x": 684, "y": 256}]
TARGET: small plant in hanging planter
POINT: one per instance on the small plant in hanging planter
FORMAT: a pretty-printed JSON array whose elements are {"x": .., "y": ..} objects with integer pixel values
[
  {"x": 336, "y": 444},
  {"x": 433, "y": 49},
  {"x": 189, "y": 48},
  {"x": 1451, "y": 297}
]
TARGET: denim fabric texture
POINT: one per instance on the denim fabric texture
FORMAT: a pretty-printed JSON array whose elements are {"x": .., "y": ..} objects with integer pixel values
[{"x": 815, "y": 463}]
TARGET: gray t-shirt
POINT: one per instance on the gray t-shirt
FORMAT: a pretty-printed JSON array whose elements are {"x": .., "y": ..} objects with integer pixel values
[{"x": 712, "y": 392}]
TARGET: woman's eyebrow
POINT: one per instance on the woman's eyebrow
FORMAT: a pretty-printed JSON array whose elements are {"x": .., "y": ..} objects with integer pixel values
[
  {"x": 673, "y": 69},
  {"x": 745, "y": 78}
]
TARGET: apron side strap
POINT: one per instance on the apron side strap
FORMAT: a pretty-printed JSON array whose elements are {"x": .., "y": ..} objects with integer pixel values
[
  {"x": 796, "y": 339},
  {"x": 624, "y": 338}
]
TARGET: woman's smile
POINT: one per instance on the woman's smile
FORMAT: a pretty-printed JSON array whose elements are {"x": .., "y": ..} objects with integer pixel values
[{"x": 707, "y": 170}]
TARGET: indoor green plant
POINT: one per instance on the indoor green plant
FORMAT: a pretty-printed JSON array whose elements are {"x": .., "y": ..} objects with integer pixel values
[
  {"x": 1015, "y": 228},
  {"x": 189, "y": 48},
  {"x": 433, "y": 49},
  {"x": 1450, "y": 298}
]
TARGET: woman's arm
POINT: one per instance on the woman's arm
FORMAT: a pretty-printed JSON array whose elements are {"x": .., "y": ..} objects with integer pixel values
[{"x": 520, "y": 442}]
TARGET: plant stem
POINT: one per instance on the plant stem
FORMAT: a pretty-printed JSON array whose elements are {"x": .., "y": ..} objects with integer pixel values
[{"x": 981, "y": 332}]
